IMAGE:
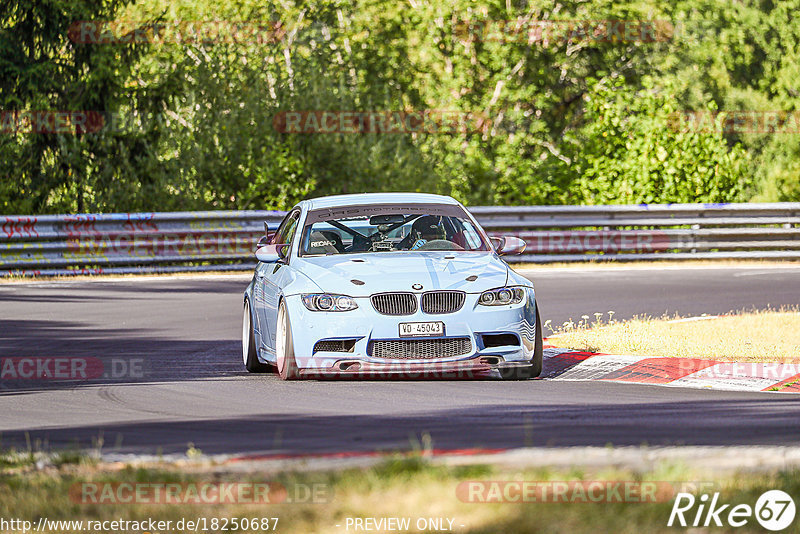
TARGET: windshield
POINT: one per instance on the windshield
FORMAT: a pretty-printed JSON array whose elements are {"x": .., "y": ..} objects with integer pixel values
[{"x": 389, "y": 228}]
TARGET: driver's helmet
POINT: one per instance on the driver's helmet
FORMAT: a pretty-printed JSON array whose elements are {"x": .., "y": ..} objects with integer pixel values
[{"x": 428, "y": 228}]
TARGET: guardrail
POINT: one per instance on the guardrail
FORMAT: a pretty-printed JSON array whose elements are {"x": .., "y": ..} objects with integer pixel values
[
  {"x": 649, "y": 231},
  {"x": 224, "y": 240}
]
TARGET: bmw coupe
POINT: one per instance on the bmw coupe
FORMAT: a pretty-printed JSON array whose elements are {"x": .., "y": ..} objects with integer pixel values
[{"x": 397, "y": 284}]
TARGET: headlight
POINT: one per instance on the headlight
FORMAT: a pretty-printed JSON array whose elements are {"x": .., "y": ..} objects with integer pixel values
[
  {"x": 502, "y": 296},
  {"x": 327, "y": 302}
]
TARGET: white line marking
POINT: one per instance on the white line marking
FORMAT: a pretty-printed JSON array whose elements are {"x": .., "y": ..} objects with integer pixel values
[{"x": 597, "y": 367}]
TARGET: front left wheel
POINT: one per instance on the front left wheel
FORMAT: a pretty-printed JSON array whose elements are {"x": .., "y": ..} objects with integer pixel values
[{"x": 249, "y": 354}]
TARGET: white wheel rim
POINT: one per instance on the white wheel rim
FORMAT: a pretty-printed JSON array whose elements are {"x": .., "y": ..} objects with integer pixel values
[
  {"x": 245, "y": 333},
  {"x": 280, "y": 339}
]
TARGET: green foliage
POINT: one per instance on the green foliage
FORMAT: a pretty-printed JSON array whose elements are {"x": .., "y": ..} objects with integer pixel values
[
  {"x": 567, "y": 121},
  {"x": 630, "y": 152},
  {"x": 42, "y": 70}
]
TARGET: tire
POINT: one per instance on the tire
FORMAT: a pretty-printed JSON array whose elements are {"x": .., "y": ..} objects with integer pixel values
[
  {"x": 249, "y": 354},
  {"x": 284, "y": 346},
  {"x": 535, "y": 368}
]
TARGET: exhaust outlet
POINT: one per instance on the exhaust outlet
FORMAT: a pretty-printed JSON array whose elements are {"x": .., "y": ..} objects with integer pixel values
[{"x": 349, "y": 366}]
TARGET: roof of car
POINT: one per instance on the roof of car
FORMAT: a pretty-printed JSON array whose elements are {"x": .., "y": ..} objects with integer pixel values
[{"x": 377, "y": 198}]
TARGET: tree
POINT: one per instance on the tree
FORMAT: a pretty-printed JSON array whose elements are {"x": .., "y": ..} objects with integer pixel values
[{"x": 43, "y": 70}]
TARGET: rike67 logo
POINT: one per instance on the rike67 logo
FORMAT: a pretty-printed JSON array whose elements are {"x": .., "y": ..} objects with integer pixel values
[{"x": 774, "y": 510}]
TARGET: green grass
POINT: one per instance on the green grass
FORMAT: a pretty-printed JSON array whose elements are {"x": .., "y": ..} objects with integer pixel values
[
  {"x": 402, "y": 486},
  {"x": 12, "y": 458}
]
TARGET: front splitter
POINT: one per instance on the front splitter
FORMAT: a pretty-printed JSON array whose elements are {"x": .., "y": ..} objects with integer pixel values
[{"x": 464, "y": 369}]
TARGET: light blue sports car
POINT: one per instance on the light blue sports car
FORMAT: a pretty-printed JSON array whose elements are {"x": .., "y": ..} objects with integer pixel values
[{"x": 400, "y": 284}]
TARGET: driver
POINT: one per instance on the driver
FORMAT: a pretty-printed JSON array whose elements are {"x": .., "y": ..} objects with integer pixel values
[{"x": 425, "y": 229}]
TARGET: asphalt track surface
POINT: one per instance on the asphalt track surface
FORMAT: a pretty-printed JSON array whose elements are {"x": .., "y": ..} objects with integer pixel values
[{"x": 192, "y": 387}]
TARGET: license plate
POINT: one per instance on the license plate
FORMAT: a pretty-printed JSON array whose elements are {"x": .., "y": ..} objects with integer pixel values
[{"x": 433, "y": 328}]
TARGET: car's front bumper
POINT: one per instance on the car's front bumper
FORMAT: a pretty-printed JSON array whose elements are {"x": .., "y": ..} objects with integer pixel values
[
  {"x": 365, "y": 326},
  {"x": 475, "y": 367}
]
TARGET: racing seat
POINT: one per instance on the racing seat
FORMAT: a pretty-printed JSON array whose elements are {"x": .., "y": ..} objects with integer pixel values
[{"x": 325, "y": 242}]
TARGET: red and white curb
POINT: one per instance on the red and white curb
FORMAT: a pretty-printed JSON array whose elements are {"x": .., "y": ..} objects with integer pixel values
[{"x": 565, "y": 364}]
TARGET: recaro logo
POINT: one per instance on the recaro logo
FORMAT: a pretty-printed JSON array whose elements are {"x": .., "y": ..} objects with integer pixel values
[{"x": 774, "y": 510}]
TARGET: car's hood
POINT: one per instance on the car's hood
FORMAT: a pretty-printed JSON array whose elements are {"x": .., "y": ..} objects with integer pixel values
[{"x": 399, "y": 271}]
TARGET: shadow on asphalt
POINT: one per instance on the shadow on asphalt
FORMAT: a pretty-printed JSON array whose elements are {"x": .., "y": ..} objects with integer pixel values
[
  {"x": 120, "y": 356},
  {"x": 771, "y": 421},
  {"x": 108, "y": 356}
]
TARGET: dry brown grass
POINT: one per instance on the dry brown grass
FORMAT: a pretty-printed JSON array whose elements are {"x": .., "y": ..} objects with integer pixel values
[
  {"x": 760, "y": 336},
  {"x": 111, "y": 277},
  {"x": 596, "y": 264},
  {"x": 606, "y": 264}
]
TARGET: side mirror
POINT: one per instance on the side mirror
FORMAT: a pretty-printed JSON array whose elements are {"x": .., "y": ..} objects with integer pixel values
[
  {"x": 266, "y": 238},
  {"x": 272, "y": 253},
  {"x": 508, "y": 245}
]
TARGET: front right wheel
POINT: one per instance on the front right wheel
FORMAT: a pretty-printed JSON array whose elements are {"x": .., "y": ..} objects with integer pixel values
[
  {"x": 535, "y": 368},
  {"x": 249, "y": 354}
]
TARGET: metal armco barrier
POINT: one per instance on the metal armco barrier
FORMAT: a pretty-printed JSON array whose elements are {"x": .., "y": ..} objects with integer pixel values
[
  {"x": 649, "y": 231},
  {"x": 122, "y": 243},
  {"x": 225, "y": 240}
]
